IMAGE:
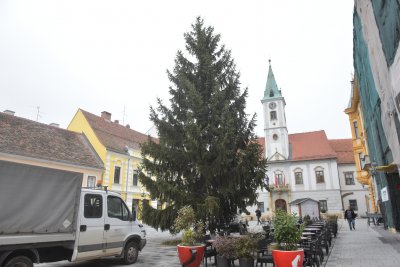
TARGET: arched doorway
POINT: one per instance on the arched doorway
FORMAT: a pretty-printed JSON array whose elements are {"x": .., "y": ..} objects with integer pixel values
[{"x": 280, "y": 204}]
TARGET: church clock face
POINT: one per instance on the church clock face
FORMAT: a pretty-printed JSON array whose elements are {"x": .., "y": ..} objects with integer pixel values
[{"x": 272, "y": 105}]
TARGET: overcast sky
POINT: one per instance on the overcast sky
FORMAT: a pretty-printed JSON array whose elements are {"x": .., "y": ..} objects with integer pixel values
[{"x": 107, "y": 55}]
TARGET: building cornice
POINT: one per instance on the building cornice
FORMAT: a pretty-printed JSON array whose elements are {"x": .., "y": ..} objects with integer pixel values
[{"x": 39, "y": 160}]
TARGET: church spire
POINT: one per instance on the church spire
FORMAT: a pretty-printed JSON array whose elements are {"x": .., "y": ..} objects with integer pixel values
[{"x": 271, "y": 88}]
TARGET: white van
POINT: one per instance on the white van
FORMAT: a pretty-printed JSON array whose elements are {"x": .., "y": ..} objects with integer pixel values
[{"x": 64, "y": 223}]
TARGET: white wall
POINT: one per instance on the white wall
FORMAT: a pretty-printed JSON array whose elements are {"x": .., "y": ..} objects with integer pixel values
[
  {"x": 329, "y": 191},
  {"x": 309, "y": 208},
  {"x": 356, "y": 191}
]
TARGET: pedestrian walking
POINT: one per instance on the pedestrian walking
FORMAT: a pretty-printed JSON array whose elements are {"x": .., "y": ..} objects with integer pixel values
[
  {"x": 350, "y": 216},
  {"x": 258, "y": 214}
]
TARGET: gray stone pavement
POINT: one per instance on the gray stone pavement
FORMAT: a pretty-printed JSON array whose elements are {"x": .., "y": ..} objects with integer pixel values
[
  {"x": 367, "y": 246},
  {"x": 154, "y": 253}
]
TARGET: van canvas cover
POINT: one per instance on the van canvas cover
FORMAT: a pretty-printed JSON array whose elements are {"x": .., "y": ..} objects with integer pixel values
[{"x": 38, "y": 200}]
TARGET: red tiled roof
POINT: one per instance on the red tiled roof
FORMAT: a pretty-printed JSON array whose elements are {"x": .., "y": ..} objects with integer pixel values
[
  {"x": 310, "y": 145},
  {"x": 23, "y": 137},
  {"x": 113, "y": 135},
  {"x": 315, "y": 145},
  {"x": 344, "y": 150}
]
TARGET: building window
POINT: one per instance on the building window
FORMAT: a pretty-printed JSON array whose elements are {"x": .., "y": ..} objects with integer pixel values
[
  {"x": 361, "y": 159},
  {"x": 273, "y": 115},
  {"x": 355, "y": 125},
  {"x": 349, "y": 177},
  {"x": 117, "y": 174},
  {"x": 319, "y": 175},
  {"x": 135, "y": 178},
  {"x": 353, "y": 204},
  {"x": 91, "y": 181},
  {"x": 298, "y": 177},
  {"x": 260, "y": 205},
  {"x": 323, "y": 205},
  {"x": 275, "y": 137},
  {"x": 279, "y": 178}
]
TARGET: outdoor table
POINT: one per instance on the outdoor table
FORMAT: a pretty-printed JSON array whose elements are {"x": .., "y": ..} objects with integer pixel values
[
  {"x": 307, "y": 233},
  {"x": 316, "y": 226},
  {"x": 314, "y": 230}
]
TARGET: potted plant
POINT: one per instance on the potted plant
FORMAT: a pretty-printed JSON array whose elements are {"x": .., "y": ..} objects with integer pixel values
[
  {"x": 190, "y": 251},
  {"x": 287, "y": 234},
  {"x": 246, "y": 247},
  {"x": 226, "y": 250}
]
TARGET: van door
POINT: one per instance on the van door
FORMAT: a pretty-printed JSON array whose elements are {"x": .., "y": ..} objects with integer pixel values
[
  {"x": 118, "y": 224},
  {"x": 91, "y": 242}
]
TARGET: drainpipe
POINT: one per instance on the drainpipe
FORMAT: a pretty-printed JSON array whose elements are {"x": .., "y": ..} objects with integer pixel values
[
  {"x": 127, "y": 179},
  {"x": 340, "y": 188},
  {"x": 127, "y": 172}
]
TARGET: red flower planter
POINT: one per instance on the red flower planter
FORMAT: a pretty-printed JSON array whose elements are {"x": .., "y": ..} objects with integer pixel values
[
  {"x": 283, "y": 258},
  {"x": 191, "y": 256}
]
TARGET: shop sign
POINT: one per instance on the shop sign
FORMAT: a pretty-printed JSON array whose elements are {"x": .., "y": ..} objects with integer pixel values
[{"x": 384, "y": 194}]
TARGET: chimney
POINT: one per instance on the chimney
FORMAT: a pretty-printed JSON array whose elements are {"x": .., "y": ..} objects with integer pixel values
[
  {"x": 106, "y": 115},
  {"x": 128, "y": 126},
  {"x": 9, "y": 112},
  {"x": 55, "y": 125},
  {"x": 116, "y": 121}
]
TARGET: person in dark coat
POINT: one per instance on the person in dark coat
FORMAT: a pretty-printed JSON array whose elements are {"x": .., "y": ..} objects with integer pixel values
[
  {"x": 350, "y": 216},
  {"x": 258, "y": 214}
]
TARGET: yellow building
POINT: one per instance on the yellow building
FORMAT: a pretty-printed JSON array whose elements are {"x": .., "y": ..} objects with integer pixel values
[
  {"x": 29, "y": 142},
  {"x": 359, "y": 137},
  {"x": 118, "y": 146}
]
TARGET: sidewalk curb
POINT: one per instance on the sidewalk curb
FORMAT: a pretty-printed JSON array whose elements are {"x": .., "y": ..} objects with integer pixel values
[{"x": 333, "y": 244}]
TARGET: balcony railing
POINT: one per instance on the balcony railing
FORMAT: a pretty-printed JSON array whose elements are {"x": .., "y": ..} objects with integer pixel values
[{"x": 279, "y": 188}]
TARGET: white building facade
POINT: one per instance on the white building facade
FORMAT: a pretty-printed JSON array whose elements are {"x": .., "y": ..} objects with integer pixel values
[{"x": 303, "y": 165}]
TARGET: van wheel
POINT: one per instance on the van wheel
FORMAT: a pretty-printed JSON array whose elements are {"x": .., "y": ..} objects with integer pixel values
[
  {"x": 19, "y": 261},
  {"x": 131, "y": 253}
]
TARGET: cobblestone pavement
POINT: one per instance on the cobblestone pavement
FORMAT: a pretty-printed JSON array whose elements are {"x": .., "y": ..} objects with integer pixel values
[
  {"x": 154, "y": 253},
  {"x": 366, "y": 246}
]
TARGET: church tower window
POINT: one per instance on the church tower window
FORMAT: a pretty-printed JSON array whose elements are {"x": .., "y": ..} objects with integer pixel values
[{"x": 273, "y": 115}]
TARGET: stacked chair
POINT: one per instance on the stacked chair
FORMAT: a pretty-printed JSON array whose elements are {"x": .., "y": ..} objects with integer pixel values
[{"x": 209, "y": 251}]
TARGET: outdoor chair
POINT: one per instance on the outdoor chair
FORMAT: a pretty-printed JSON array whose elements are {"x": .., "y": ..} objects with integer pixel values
[
  {"x": 262, "y": 253},
  {"x": 318, "y": 248},
  {"x": 209, "y": 251},
  {"x": 324, "y": 241},
  {"x": 310, "y": 253},
  {"x": 333, "y": 227}
]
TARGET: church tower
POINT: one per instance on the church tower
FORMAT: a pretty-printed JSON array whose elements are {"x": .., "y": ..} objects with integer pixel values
[{"x": 275, "y": 129}]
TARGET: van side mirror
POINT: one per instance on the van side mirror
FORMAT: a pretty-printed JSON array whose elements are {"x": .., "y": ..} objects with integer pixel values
[{"x": 133, "y": 216}]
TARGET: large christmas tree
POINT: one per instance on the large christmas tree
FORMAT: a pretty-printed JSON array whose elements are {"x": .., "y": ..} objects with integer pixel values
[{"x": 207, "y": 155}]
